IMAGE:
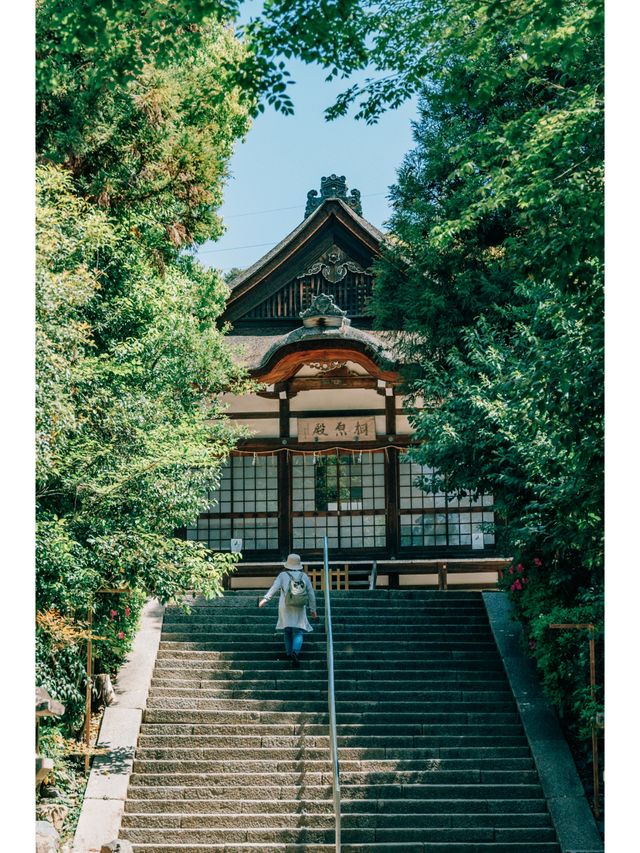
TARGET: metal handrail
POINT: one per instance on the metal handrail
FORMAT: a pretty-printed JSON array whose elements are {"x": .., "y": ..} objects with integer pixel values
[
  {"x": 333, "y": 735},
  {"x": 373, "y": 577}
]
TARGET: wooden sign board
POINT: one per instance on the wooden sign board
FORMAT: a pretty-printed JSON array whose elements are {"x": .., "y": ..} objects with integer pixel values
[{"x": 337, "y": 429}]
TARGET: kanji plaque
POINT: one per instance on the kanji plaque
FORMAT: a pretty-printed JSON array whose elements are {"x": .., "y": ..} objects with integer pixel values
[{"x": 332, "y": 429}]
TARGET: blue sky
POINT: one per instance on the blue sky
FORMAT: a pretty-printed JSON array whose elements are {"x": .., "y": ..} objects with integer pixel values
[{"x": 284, "y": 157}]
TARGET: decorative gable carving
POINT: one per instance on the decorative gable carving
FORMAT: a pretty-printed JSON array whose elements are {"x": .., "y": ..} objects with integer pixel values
[{"x": 333, "y": 265}]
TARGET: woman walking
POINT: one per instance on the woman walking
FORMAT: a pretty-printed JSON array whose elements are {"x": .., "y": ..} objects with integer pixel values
[{"x": 296, "y": 591}]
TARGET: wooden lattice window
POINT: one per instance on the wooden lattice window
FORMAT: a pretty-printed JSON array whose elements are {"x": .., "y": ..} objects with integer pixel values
[
  {"x": 244, "y": 506},
  {"x": 341, "y": 496},
  {"x": 437, "y": 520}
]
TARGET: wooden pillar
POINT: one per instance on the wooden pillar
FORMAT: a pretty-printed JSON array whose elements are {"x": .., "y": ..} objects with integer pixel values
[
  {"x": 284, "y": 498},
  {"x": 285, "y": 414},
  {"x": 393, "y": 520}
]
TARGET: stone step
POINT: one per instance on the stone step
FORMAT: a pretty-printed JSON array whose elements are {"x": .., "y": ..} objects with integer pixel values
[
  {"x": 448, "y": 673},
  {"x": 376, "y": 790},
  {"x": 362, "y": 625},
  {"x": 414, "y": 728},
  {"x": 278, "y": 752},
  {"x": 381, "y": 716},
  {"x": 339, "y": 617},
  {"x": 357, "y": 643},
  {"x": 360, "y": 835},
  {"x": 420, "y": 703},
  {"x": 257, "y": 763},
  {"x": 286, "y": 688},
  {"x": 325, "y": 820},
  {"x": 315, "y": 701},
  {"x": 380, "y": 593},
  {"x": 403, "y": 659},
  {"x": 368, "y": 847},
  {"x": 318, "y": 680},
  {"x": 392, "y": 806},
  {"x": 267, "y": 633},
  {"x": 384, "y": 678},
  {"x": 243, "y": 775},
  {"x": 437, "y": 745}
]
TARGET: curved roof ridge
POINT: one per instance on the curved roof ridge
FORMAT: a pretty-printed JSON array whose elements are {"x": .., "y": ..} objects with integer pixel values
[
  {"x": 345, "y": 332},
  {"x": 272, "y": 253}
]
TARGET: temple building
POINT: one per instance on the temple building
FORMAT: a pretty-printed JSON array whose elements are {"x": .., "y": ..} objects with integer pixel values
[{"x": 328, "y": 431}]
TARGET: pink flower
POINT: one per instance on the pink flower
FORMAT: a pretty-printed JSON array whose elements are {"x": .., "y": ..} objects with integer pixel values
[
  {"x": 517, "y": 584},
  {"x": 127, "y": 611},
  {"x": 537, "y": 561},
  {"x": 524, "y": 580},
  {"x": 512, "y": 587},
  {"x": 114, "y": 613},
  {"x": 121, "y": 635},
  {"x": 511, "y": 570},
  {"x": 519, "y": 567}
]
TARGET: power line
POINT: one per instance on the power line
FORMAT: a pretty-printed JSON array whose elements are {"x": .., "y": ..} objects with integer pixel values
[
  {"x": 292, "y": 207},
  {"x": 256, "y": 213},
  {"x": 233, "y": 248}
]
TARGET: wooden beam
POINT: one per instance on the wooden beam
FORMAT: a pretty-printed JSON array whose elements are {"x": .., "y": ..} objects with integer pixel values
[{"x": 319, "y": 383}]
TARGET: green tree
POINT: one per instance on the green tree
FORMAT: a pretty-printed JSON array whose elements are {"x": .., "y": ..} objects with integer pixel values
[
  {"x": 494, "y": 269},
  {"x": 138, "y": 110}
]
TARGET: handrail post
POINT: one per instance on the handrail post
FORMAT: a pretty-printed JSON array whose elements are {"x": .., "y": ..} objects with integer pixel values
[
  {"x": 333, "y": 736},
  {"x": 373, "y": 577}
]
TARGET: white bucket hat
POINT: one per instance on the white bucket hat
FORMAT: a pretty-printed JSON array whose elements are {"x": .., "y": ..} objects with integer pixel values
[{"x": 293, "y": 562}]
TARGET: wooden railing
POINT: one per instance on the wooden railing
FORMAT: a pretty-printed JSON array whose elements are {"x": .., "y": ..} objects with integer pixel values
[{"x": 340, "y": 570}]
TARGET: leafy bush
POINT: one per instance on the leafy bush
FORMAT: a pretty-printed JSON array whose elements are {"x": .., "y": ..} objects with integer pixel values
[{"x": 543, "y": 595}]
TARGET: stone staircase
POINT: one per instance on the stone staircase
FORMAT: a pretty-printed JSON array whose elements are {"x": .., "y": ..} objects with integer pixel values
[{"x": 234, "y": 751}]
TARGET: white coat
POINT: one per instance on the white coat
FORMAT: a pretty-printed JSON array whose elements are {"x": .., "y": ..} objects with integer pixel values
[{"x": 288, "y": 615}]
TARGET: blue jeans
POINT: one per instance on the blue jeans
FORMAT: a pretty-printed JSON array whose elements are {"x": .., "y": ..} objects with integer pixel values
[{"x": 293, "y": 640}]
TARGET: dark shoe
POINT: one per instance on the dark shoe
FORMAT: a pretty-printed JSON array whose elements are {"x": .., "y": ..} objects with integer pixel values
[{"x": 295, "y": 663}]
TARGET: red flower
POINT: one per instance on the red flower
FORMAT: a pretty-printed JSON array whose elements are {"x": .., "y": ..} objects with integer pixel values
[
  {"x": 511, "y": 570},
  {"x": 121, "y": 635},
  {"x": 519, "y": 567},
  {"x": 127, "y": 611},
  {"x": 537, "y": 561},
  {"x": 524, "y": 580},
  {"x": 114, "y": 613},
  {"x": 517, "y": 584}
]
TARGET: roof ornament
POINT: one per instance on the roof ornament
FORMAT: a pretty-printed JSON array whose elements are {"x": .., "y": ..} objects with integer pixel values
[
  {"x": 323, "y": 312},
  {"x": 333, "y": 265},
  {"x": 333, "y": 187}
]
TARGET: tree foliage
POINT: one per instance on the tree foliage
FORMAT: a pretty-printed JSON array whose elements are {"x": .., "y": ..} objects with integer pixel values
[
  {"x": 494, "y": 267},
  {"x": 138, "y": 110},
  {"x": 495, "y": 274}
]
